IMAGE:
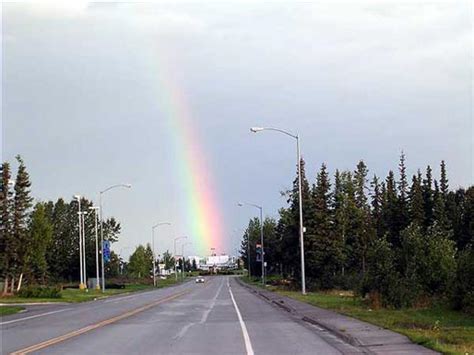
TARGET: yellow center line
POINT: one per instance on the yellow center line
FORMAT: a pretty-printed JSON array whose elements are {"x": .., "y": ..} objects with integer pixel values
[{"x": 103, "y": 323}]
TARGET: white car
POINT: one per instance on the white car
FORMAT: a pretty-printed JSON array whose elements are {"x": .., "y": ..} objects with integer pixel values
[{"x": 199, "y": 280}]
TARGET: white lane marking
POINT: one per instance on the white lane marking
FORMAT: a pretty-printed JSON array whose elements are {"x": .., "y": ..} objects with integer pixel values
[
  {"x": 211, "y": 306},
  {"x": 115, "y": 300},
  {"x": 248, "y": 343},
  {"x": 35, "y": 316}
]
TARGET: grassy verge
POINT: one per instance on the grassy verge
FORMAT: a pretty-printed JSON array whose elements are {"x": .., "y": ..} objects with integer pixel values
[
  {"x": 76, "y": 295},
  {"x": 436, "y": 327},
  {"x": 7, "y": 310}
]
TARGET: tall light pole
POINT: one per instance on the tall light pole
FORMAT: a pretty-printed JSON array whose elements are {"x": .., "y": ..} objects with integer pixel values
[
  {"x": 261, "y": 236},
  {"x": 182, "y": 253},
  {"x": 175, "y": 270},
  {"x": 83, "y": 214},
  {"x": 81, "y": 284},
  {"x": 153, "y": 247},
  {"x": 300, "y": 195},
  {"x": 102, "y": 226},
  {"x": 96, "y": 217}
]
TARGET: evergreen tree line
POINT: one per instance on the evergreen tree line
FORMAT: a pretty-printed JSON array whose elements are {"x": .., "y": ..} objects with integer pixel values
[
  {"x": 39, "y": 242},
  {"x": 398, "y": 240}
]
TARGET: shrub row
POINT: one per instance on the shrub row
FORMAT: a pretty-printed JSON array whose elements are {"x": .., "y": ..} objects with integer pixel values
[{"x": 40, "y": 292}]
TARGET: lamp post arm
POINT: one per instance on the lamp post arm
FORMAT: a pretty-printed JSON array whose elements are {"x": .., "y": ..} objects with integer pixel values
[
  {"x": 281, "y": 131},
  {"x": 114, "y": 186}
]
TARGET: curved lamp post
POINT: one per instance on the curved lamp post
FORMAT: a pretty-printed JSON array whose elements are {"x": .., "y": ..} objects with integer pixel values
[
  {"x": 128, "y": 186},
  {"x": 298, "y": 153}
]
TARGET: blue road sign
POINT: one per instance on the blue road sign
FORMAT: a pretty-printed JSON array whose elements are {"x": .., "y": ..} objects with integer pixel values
[{"x": 106, "y": 249}]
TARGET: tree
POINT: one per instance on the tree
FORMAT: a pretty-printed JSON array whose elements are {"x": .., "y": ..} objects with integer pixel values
[
  {"x": 168, "y": 260},
  {"x": 22, "y": 203},
  {"x": 6, "y": 206},
  {"x": 364, "y": 231},
  {"x": 404, "y": 218},
  {"x": 439, "y": 208},
  {"x": 391, "y": 211},
  {"x": 428, "y": 202},
  {"x": 113, "y": 266},
  {"x": 291, "y": 243},
  {"x": 376, "y": 204},
  {"x": 40, "y": 237},
  {"x": 444, "y": 186},
  {"x": 149, "y": 258},
  {"x": 416, "y": 204},
  {"x": 360, "y": 183},
  {"x": 138, "y": 265},
  {"x": 323, "y": 254},
  {"x": 252, "y": 236}
]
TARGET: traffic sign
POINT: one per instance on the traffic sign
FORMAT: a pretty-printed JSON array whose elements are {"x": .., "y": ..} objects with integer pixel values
[{"x": 106, "y": 249}]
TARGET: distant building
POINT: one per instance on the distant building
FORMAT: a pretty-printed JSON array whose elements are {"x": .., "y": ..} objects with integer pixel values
[{"x": 219, "y": 262}]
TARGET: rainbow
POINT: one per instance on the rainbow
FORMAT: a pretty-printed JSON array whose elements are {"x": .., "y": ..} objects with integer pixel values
[{"x": 203, "y": 225}]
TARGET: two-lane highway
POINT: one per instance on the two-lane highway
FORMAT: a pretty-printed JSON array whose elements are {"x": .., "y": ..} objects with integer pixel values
[{"x": 217, "y": 317}]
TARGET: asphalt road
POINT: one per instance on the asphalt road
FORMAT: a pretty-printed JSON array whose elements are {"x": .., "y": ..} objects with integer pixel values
[{"x": 217, "y": 317}]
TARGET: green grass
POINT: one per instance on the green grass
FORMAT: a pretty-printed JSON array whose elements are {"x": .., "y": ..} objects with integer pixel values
[
  {"x": 436, "y": 327},
  {"x": 75, "y": 295},
  {"x": 7, "y": 310}
]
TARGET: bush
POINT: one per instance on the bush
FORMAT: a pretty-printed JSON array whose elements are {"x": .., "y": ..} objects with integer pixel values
[
  {"x": 463, "y": 293},
  {"x": 40, "y": 292},
  {"x": 115, "y": 286}
]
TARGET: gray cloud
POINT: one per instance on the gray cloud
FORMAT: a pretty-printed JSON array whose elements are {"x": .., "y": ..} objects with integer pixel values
[{"x": 83, "y": 104}]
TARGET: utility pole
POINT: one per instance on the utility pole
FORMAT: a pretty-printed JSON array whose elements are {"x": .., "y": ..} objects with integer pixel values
[
  {"x": 84, "y": 248},
  {"x": 97, "y": 284},
  {"x": 81, "y": 284}
]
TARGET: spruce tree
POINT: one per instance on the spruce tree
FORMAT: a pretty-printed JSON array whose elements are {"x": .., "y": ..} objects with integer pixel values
[
  {"x": 360, "y": 182},
  {"x": 21, "y": 208},
  {"x": 444, "y": 186},
  {"x": 428, "y": 197},
  {"x": 6, "y": 205},
  {"x": 340, "y": 218},
  {"x": 403, "y": 194},
  {"x": 377, "y": 206},
  {"x": 364, "y": 231},
  {"x": 417, "y": 212},
  {"x": 391, "y": 211},
  {"x": 439, "y": 208},
  {"x": 324, "y": 252},
  {"x": 293, "y": 241}
]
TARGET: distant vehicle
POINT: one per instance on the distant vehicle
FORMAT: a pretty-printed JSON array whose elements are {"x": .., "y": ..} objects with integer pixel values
[{"x": 200, "y": 280}]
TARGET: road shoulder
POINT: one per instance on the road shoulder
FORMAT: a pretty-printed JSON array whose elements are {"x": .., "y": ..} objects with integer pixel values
[{"x": 371, "y": 338}]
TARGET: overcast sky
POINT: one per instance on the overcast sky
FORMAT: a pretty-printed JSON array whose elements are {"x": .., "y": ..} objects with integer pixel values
[{"x": 83, "y": 102}]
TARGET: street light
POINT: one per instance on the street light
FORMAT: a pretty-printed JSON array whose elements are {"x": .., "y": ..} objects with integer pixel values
[
  {"x": 128, "y": 186},
  {"x": 300, "y": 195},
  {"x": 97, "y": 285},
  {"x": 153, "y": 247},
  {"x": 175, "y": 270},
  {"x": 261, "y": 237},
  {"x": 83, "y": 214},
  {"x": 81, "y": 284}
]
